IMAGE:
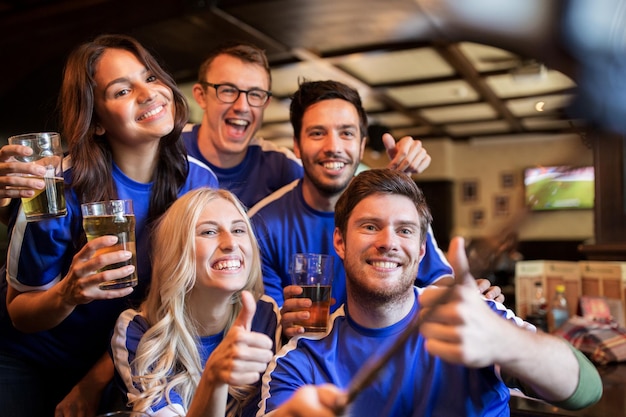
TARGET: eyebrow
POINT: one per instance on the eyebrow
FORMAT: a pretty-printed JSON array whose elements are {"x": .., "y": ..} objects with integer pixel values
[
  {"x": 215, "y": 223},
  {"x": 377, "y": 219},
  {"x": 122, "y": 79},
  {"x": 341, "y": 127}
]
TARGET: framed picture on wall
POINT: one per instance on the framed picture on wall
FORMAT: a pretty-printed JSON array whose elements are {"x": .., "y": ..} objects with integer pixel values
[
  {"x": 477, "y": 217},
  {"x": 501, "y": 205},
  {"x": 507, "y": 180},
  {"x": 469, "y": 190}
]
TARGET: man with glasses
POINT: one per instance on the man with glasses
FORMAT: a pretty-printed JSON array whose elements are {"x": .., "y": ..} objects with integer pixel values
[{"x": 234, "y": 90}]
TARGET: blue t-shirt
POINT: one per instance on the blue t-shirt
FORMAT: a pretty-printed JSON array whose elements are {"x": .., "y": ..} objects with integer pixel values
[
  {"x": 265, "y": 168},
  {"x": 40, "y": 254},
  {"x": 413, "y": 383},
  {"x": 131, "y": 326},
  {"x": 285, "y": 224}
]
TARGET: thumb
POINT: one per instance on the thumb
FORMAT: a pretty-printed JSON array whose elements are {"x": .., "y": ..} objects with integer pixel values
[
  {"x": 458, "y": 260},
  {"x": 244, "y": 319},
  {"x": 390, "y": 144}
]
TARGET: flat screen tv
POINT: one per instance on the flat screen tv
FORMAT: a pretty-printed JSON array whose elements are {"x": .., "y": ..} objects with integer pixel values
[{"x": 559, "y": 187}]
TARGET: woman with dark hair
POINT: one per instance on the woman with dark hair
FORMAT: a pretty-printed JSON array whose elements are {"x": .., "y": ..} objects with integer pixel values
[{"x": 122, "y": 117}]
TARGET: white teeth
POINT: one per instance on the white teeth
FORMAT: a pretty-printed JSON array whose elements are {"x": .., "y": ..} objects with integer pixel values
[
  {"x": 231, "y": 264},
  {"x": 151, "y": 113},
  {"x": 238, "y": 122},
  {"x": 334, "y": 165},
  {"x": 386, "y": 265}
]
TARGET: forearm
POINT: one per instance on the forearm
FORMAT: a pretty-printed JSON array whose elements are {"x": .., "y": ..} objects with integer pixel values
[
  {"x": 37, "y": 310},
  {"x": 86, "y": 396},
  {"x": 544, "y": 363},
  {"x": 98, "y": 376},
  {"x": 209, "y": 400},
  {"x": 588, "y": 391}
]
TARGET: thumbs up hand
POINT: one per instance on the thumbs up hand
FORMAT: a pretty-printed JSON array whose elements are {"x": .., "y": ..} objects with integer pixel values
[
  {"x": 243, "y": 354},
  {"x": 244, "y": 319},
  {"x": 406, "y": 155},
  {"x": 462, "y": 329}
]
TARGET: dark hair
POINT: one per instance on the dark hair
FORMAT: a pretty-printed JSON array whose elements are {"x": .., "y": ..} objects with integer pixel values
[
  {"x": 381, "y": 181},
  {"x": 246, "y": 52},
  {"x": 91, "y": 154},
  {"x": 311, "y": 92}
]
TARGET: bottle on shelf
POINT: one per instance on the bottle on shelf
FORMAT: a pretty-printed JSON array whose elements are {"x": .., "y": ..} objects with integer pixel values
[
  {"x": 559, "y": 312},
  {"x": 538, "y": 308}
]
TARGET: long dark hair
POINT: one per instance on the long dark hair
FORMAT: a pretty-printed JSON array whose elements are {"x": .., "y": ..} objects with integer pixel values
[{"x": 91, "y": 154}]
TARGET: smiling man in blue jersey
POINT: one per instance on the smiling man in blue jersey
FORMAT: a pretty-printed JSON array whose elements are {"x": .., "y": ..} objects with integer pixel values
[
  {"x": 452, "y": 365},
  {"x": 233, "y": 90},
  {"x": 330, "y": 127}
]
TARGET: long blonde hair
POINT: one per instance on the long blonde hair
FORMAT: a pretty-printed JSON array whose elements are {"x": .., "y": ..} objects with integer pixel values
[{"x": 167, "y": 356}]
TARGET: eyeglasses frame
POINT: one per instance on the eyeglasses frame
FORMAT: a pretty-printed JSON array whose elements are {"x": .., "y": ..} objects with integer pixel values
[{"x": 239, "y": 91}]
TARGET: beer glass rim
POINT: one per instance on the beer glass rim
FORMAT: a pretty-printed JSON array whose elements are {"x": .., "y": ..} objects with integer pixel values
[
  {"x": 311, "y": 254},
  {"x": 33, "y": 135},
  {"x": 126, "y": 202}
]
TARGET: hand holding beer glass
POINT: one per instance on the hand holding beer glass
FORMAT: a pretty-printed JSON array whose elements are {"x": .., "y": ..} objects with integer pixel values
[
  {"x": 314, "y": 273},
  {"x": 47, "y": 151},
  {"x": 114, "y": 217}
]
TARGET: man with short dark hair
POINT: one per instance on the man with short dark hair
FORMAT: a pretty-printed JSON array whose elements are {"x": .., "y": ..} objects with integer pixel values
[
  {"x": 452, "y": 365},
  {"x": 330, "y": 128}
]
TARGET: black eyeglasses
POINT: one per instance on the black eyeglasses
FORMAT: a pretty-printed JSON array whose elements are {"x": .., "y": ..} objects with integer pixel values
[{"x": 228, "y": 93}]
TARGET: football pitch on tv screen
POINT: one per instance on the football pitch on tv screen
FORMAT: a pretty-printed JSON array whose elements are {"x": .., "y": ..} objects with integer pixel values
[{"x": 560, "y": 189}]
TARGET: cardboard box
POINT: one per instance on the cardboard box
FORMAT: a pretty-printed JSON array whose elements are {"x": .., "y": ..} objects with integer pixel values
[
  {"x": 550, "y": 274},
  {"x": 605, "y": 279}
]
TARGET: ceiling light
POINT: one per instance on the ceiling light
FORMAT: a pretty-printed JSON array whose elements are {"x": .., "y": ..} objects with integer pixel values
[{"x": 539, "y": 106}]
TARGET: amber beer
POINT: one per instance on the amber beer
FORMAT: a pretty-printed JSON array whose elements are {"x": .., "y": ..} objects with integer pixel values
[
  {"x": 313, "y": 272},
  {"x": 97, "y": 222},
  {"x": 49, "y": 202},
  {"x": 320, "y": 307}
]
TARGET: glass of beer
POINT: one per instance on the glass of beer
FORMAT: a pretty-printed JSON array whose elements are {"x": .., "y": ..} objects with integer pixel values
[
  {"x": 314, "y": 273},
  {"x": 113, "y": 217},
  {"x": 47, "y": 151}
]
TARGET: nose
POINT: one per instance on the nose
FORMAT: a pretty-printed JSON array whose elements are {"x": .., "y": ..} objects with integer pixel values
[
  {"x": 332, "y": 143},
  {"x": 241, "y": 104},
  {"x": 387, "y": 240},
  {"x": 146, "y": 93},
  {"x": 228, "y": 241}
]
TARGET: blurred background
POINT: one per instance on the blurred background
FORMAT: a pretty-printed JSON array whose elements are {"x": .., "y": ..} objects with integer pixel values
[{"x": 487, "y": 107}]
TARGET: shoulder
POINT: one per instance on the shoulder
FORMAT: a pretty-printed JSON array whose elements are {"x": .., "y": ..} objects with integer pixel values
[
  {"x": 275, "y": 199},
  {"x": 501, "y": 310},
  {"x": 272, "y": 150},
  {"x": 190, "y": 130},
  {"x": 201, "y": 172},
  {"x": 129, "y": 329},
  {"x": 267, "y": 319},
  {"x": 131, "y": 321},
  {"x": 267, "y": 307}
]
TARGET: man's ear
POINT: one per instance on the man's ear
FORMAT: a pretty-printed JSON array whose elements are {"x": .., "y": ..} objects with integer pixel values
[
  {"x": 339, "y": 243},
  {"x": 296, "y": 148},
  {"x": 199, "y": 95},
  {"x": 422, "y": 250}
]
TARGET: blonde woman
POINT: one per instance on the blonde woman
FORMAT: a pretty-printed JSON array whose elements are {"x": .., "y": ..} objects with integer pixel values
[{"x": 205, "y": 333}]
